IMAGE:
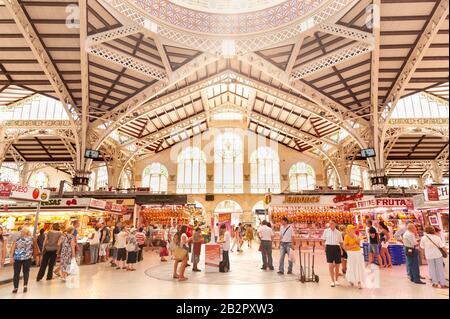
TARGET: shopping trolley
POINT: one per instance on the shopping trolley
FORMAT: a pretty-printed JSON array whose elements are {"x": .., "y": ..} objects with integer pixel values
[{"x": 307, "y": 273}]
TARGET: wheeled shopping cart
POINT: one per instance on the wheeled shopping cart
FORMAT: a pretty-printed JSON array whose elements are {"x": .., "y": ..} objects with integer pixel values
[{"x": 306, "y": 261}]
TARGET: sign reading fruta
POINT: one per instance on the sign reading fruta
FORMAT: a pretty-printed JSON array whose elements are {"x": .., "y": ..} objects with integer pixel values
[{"x": 386, "y": 202}]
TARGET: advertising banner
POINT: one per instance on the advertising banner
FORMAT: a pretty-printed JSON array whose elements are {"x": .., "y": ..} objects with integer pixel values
[
  {"x": 432, "y": 193},
  {"x": 25, "y": 193},
  {"x": 212, "y": 257},
  {"x": 67, "y": 202}
]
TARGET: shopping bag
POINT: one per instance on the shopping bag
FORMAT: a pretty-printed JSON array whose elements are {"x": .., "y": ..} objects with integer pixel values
[
  {"x": 292, "y": 256},
  {"x": 74, "y": 269}
]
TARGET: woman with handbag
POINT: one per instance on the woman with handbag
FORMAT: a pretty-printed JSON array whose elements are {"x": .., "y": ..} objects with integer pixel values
[
  {"x": 180, "y": 254},
  {"x": 67, "y": 246},
  {"x": 434, "y": 253},
  {"x": 132, "y": 248}
]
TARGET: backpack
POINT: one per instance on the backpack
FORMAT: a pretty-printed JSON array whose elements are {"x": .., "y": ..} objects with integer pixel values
[{"x": 107, "y": 238}]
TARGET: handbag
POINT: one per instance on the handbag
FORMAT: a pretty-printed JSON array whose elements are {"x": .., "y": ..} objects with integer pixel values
[
  {"x": 409, "y": 251},
  {"x": 179, "y": 253},
  {"x": 442, "y": 250}
]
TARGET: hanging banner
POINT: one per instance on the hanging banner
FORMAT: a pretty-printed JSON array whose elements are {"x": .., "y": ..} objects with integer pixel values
[
  {"x": 25, "y": 193},
  {"x": 432, "y": 193}
]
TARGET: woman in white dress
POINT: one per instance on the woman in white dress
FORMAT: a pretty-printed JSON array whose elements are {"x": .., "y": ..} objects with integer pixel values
[{"x": 355, "y": 262}]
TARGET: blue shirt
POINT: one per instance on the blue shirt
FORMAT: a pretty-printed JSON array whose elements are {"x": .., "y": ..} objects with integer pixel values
[{"x": 24, "y": 248}]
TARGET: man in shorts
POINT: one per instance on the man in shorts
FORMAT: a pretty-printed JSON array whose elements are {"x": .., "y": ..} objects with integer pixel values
[
  {"x": 374, "y": 243},
  {"x": 333, "y": 249}
]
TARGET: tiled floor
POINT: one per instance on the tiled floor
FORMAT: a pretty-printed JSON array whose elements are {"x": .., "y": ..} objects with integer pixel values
[{"x": 246, "y": 280}]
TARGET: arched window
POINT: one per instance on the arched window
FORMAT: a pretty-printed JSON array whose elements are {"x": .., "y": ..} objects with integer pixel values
[
  {"x": 191, "y": 177},
  {"x": 301, "y": 177},
  {"x": 231, "y": 207},
  {"x": 359, "y": 177},
  {"x": 228, "y": 164},
  {"x": 125, "y": 181},
  {"x": 155, "y": 177},
  {"x": 102, "y": 177},
  {"x": 98, "y": 178},
  {"x": 332, "y": 180},
  {"x": 264, "y": 171},
  {"x": 39, "y": 179},
  {"x": 9, "y": 172}
]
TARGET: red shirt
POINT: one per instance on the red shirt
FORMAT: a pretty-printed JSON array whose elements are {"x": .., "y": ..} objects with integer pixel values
[
  {"x": 189, "y": 232},
  {"x": 140, "y": 238}
]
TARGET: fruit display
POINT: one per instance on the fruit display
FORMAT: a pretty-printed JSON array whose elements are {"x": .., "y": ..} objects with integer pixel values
[{"x": 163, "y": 215}]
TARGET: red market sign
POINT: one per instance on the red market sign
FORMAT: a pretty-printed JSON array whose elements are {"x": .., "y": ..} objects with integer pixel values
[
  {"x": 344, "y": 198},
  {"x": 432, "y": 192},
  {"x": 5, "y": 189},
  {"x": 386, "y": 202},
  {"x": 25, "y": 193}
]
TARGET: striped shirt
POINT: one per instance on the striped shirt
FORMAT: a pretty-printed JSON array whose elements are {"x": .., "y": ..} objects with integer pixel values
[
  {"x": 332, "y": 237},
  {"x": 140, "y": 237}
]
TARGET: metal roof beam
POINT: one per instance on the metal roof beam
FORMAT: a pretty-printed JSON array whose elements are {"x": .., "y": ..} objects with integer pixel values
[
  {"x": 415, "y": 57},
  {"x": 42, "y": 56}
]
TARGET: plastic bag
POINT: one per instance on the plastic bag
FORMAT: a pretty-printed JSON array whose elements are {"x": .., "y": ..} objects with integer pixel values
[
  {"x": 74, "y": 269},
  {"x": 292, "y": 256}
]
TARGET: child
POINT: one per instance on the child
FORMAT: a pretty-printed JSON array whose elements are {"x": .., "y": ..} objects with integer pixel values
[{"x": 163, "y": 251}]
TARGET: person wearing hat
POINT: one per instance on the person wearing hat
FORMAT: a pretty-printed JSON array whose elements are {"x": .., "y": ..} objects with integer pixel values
[{"x": 355, "y": 259}]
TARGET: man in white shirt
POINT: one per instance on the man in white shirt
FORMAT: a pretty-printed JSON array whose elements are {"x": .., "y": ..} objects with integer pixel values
[
  {"x": 265, "y": 234},
  {"x": 333, "y": 250},
  {"x": 285, "y": 245},
  {"x": 226, "y": 244},
  {"x": 412, "y": 254}
]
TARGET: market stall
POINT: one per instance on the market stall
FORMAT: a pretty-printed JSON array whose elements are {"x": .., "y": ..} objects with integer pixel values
[
  {"x": 395, "y": 212},
  {"x": 64, "y": 211},
  {"x": 308, "y": 215}
]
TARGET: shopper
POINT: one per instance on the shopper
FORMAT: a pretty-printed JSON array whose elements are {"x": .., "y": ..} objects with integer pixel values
[
  {"x": 344, "y": 256},
  {"x": 105, "y": 238},
  {"x": 94, "y": 242},
  {"x": 50, "y": 248},
  {"x": 355, "y": 263},
  {"x": 435, "y": 250},
  {"x": 67, "y": 244},
  {"x": 374, "y": 244},
  {"x": 333, "y": 241},
  {"x": 3, "y": 244},
  {"x": 181, "y": 254},
  {"x": 140, "y": 238},
  {"x": 40, "y": 246},
  {"x": 385, "y": 237},
  {"x": 163, "y": 251},
  {"x": 120, "y": 246},
  {"x": 236, "y": 239},
  {"x": 196, "y": 248},
  {"x": 132, "y": 248},
  {"x": 21, "y": 254},
  {"x": 149, "y": 235},
  {"x": 117, "y": 229},
  {"x": 285, "y": 245},
  {"x": 249, "y": 235},
  {"x": 216, "y": 232},
  {"x": 265, "y": 235},
  {"x": 412, "y": 253},
  {"x": 225, "y": 241}
]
